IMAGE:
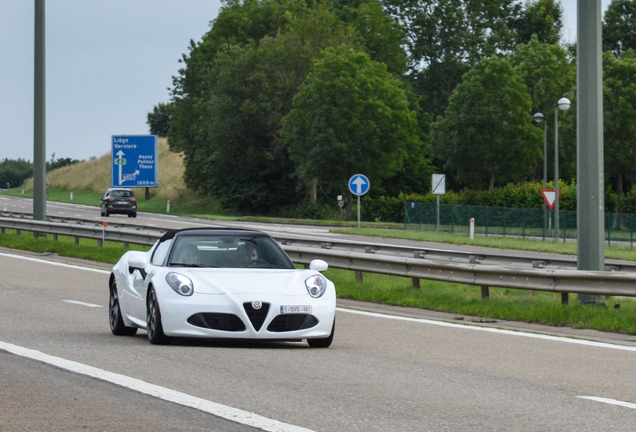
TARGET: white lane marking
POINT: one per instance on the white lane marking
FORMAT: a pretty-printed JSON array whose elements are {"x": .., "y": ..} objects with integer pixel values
[
  {"x": 493, "y": 330},
  {"x": 226, "y": 412},
  {"x": 38, "y": 260},
  {"x": 610, "y": 401},
  {"x": 81, "y": 303}
]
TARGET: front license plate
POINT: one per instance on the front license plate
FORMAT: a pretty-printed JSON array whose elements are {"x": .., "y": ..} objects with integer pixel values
[{"x": 295, "y": 309}]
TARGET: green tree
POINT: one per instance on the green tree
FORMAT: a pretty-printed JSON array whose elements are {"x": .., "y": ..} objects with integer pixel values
[
  {"x": 14, "y": 172},
  {"x": 349, "y": 116},
  {"x": 159, "y": 119},
  {"x": 54, "y": 163},
  {"x": 543, "y": 18},
  {"x": 619, "y": 26},
  {"x": 549, "y": 75},
  {"x": 380, "y": 34},
  {"x": 238, "y": 83},
  {"x": 619, "y": 125},
  {"x": 486, "y": 136},
  {"x": 445, "y": 38},
  {"x": 236, "y": 124},
  {"x": 619, "y": 120}
]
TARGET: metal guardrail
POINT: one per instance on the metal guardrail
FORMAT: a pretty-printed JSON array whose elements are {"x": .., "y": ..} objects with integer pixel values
[
  {"x": 492, "y": 258},
  {"x": 611, "y": 283}
]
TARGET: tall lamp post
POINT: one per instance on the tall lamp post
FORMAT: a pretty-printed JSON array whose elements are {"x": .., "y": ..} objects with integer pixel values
[
  {"x": 538, "y": 117},
  {"x": 563, "y": 104}
]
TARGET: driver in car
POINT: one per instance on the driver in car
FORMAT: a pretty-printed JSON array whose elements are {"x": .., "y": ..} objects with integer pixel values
[{"x": 250, "y": 255}]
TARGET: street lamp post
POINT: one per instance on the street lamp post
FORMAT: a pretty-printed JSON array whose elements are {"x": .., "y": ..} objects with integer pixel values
[
  {"x": 538, "y": 117},
  {"x": 563, "y": 104}
]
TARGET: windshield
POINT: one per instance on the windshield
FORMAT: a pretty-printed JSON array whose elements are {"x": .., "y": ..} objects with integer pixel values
[
  {"x": 228, "y": 252},
  {"x": 121, "y": 194}
]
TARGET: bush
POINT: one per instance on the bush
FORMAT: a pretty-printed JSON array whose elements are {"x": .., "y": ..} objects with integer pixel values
[
  {"x": 14, "y": 172},
  {"x": 522, "y": 195}
]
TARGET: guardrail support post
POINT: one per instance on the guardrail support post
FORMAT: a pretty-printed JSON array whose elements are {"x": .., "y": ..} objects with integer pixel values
[
  {"x": 77, "y": 240},
  {"x": 35, "y": 234},
  {"x": 306, "y": 265},
  {"x": 2, "y": 230},
  {"x": 358, "y": 276},
  {"x": 565, "y": 298},
  {"x": 100, "y": 243},
  {"x": 416, "y": 283},
  {"x": 18, "y": 232},
  {"x": 126, "y": 245},
  {"x": 54, "y": 237},
  {"x": 485, "y": 291}
]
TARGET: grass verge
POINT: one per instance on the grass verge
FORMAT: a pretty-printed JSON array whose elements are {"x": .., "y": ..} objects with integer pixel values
[
  {"x": 508, "y": 304},
  {"x": 612, "y": 252}
]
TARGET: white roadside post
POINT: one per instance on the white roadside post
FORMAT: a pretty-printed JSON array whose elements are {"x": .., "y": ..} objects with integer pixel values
[
  {"x": 472, "y": 228},
  {"x": 438, "y": 187}
]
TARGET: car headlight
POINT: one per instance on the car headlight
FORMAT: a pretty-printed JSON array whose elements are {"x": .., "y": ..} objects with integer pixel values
[
  {"x": 180, "y": 284},
  {"x": 316, "y": 285}
]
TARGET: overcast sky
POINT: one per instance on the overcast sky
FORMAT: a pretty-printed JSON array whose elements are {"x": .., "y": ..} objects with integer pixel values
[{"x": 107, "y": 64}]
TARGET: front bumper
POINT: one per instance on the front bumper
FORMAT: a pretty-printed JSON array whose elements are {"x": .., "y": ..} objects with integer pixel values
[{"x": 222, "y": 316}]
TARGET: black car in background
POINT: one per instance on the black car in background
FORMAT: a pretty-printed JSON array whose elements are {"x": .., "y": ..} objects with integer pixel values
[{"x": 119, "y": 201}]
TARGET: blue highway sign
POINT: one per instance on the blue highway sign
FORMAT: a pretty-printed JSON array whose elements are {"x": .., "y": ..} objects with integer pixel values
[
  {"x": 135, "y": 161},
  {"x": 359, "y": 184}
]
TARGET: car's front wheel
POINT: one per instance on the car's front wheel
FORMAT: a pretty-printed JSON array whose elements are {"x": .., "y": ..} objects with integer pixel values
[
  {"x": 323, "y": 342},
  {"x": 154, "y": 327},
  {"x": 117, "y": 325}
]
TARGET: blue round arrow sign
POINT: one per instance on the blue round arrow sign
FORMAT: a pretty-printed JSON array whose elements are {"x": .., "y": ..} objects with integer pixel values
[{"x": 359, "y": 184}]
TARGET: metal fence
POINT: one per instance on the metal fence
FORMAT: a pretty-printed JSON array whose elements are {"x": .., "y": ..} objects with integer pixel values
[{"x": 537, "y": 224}]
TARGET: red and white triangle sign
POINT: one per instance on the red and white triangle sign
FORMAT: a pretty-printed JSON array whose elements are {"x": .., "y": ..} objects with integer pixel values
[{"x": 550, "y": 196}]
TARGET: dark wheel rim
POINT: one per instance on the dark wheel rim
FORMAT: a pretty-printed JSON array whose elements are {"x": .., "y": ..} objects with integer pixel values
[
  {"x": 113, "y": 309},
  {"x": 152, "y": 315}
]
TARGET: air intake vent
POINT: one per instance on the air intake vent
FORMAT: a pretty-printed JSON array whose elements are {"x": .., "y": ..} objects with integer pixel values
[
  {"x": 292, "y": 322},
  {"x": 256, "y": 316},
  {"x": 217, "y": 321}
]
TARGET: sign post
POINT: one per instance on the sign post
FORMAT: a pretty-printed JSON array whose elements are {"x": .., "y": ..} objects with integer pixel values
[
  {"x": 359, "y": 185},
  {"x": 134, "y": 161},
  {"x": 438, "y": 186}
]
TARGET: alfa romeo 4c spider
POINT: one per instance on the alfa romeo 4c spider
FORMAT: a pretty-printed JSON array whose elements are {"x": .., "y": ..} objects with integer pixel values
[{"x": 220, "y": 283}]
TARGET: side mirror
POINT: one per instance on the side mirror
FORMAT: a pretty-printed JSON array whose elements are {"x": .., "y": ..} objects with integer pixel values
[
  {"x": 138, "y": 263},
  {"x": 318, "y": 265}
]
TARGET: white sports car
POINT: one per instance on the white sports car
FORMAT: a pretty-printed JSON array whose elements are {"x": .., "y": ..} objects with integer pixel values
[{"x": 220, "y": 283}]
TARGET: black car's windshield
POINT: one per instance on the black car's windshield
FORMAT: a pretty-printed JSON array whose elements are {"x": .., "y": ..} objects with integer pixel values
[{"x": 228, "y": 252}]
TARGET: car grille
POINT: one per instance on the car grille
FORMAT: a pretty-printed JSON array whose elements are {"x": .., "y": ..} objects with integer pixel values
[
  {"x": 256, "y": 316},
  {"x": 292, "y": 322},
  {"x": 217, "y": 321}
]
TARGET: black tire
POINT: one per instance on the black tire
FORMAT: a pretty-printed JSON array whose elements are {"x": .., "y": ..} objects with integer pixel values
[
  {"x": 156, "y": 336},
  {"x": 323, "y": 342},
  {"x": 115, "y": 318},
  {"x": 134, "y": 214}
]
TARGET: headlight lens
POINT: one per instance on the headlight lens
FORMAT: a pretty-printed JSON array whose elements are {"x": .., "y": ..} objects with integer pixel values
[
  {"x": 180, "y": 284},
  {"x": 316, "y": 285}
]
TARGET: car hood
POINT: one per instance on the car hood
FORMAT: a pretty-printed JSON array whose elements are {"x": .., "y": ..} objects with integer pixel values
[{"x": 248, "y": 281}]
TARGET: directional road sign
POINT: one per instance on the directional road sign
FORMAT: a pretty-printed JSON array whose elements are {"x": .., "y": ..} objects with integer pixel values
[
  {"x": 359, "y": 184},
  {"x": 135, "y": 161}
]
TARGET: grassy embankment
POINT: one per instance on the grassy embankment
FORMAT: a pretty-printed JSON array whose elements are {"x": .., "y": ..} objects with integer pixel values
[{"x": 89, "y": 179}]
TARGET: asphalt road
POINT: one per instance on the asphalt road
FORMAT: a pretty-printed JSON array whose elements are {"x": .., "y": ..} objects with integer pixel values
[{"x": 389, "y": 369}]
